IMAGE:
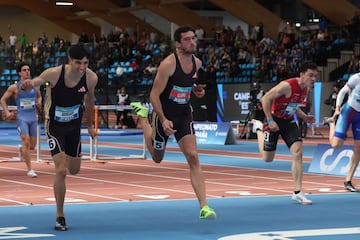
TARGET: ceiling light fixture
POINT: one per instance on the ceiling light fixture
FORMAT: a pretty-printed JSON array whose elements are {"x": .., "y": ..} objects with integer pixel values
[{"x": 64, "y": 3}]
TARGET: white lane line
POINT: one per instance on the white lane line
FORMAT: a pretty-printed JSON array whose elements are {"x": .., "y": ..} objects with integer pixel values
[
  {"x": 100, "y": 180},
  {"x": 68, "y": 190},
  {"x": 230, "y": 174},
  {"x": 187, "y": 179},
  {"x": 14, "y": 201}
]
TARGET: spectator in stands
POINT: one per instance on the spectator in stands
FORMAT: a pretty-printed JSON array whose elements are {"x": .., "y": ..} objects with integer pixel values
[
  {"x": 281, "y": 30},
  {"x": 259, "y": 31},
  {"x": 84, "y": 38},
  {"x": 123, "y": 120},
  {"x": 23, "y": 42},
  {"x": 153, "y": 37},
  {"x": 45, "y": 39},
  {"x": 209, "y": 78},
  {"x": 261, "y": 73},
  {"x": 243, "y": 56},
  {"x": 12, "y": 42},
  {"x": 170, "y": 99},
  {"x": 323, "y": 24},
  {"x": 64, "y": 116},
  {"x": 321, "y": 35},
  {"x": 225, "y": 60},
  {"x": 94, "y": 40},
  {"x": 355, "y": 26},
  {"x": 282, "y": 68},
  {"x": 200, "y": 34},
  {"x": 233, "y": 70},
  {"x": 280, "y": 104},
  {"x": 27, "y": 104},
  {"x": 345, "y": 116},
  {"x": 119, "y": 71},
  {"x": 239, "y": 37},
  {"x": 354, "y": 64},
  {"x": 150, "y": 69},
  {"x": 331, "y": 100},
  {"x": 266, "y": 41}
]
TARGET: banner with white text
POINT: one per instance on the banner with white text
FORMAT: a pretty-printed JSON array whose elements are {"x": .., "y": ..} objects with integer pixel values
[
  {"x": 214, "y": 133},
  {"x": 327, "y": 160}
]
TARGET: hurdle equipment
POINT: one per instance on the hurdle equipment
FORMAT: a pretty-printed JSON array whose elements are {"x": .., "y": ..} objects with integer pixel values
[{"x": 94, "y": 154}]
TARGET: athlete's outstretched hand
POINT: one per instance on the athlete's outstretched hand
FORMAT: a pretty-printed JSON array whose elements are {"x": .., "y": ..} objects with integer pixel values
[
  {"x": 92, "y": 132},
  {"x": 199, "y": 90},
  {"x": 26, "y": 85},
  {"x": 168, "y": 127}
]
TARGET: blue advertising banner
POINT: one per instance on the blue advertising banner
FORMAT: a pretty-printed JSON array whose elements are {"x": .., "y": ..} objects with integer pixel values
[
  {"x": 214, "y": 133},
  {"x": 232, "y": 102},
  {"x": 332, "y": 161}
]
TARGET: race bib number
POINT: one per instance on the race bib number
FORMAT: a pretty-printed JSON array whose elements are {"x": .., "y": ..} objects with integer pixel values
[
  {"x": 66, "y": 114},
  {"x": 52, "y": 143},
  {"x": 27, "y": 103},
  {"x": 291, "y": 108},
  {"x": 158, "y": 145},
  {"x": 180, "y": 95}
]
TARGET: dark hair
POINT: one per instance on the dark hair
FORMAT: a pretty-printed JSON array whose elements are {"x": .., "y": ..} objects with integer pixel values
[
  {"x": 78, "y": 52},
  {"x": 180, "y": 30},
  {"x": 20, "y": 65},
  {"x": 307, "y": 65}
]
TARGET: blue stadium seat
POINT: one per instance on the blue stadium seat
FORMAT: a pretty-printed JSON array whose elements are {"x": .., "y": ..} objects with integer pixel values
[
  {"x": 156, "y": 51},
  {"x": 112, "y": 70},
  {"x": 128, "y": 70},
  {"x": 346, "y": 76},
  {"x": 146, "y": 57}
]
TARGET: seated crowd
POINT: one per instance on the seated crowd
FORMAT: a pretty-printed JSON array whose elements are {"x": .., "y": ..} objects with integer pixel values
[{"x": 125, "y": 58}]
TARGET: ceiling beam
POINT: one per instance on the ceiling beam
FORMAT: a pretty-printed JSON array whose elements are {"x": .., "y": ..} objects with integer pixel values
[
  {"x": 178, "y": 14},
  {"x": 338, "y": 13},
  {"x": 108, "y": 12},
  {"x": 57, "y": 15},
  {"x": 169, "y": 2},
  {"x": 252, "y": 13},
  {"x": 111, "y": 13},
  {"x": 82, "y": 16},
  {"x": 125, "y": 9}
]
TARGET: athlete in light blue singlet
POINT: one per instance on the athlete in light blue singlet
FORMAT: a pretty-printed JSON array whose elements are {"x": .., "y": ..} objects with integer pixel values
[{"x": 27, "y": 119}]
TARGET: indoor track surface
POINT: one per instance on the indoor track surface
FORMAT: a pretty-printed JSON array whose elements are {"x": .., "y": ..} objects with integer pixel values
[{"x": 129, "y": 198}]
